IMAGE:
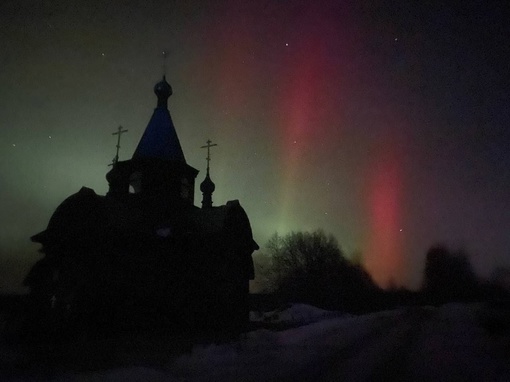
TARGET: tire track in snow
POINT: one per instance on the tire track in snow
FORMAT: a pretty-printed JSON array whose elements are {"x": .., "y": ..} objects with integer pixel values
[
  {"x": 403, "y": 344},
  {"x": 319, "y": 367},
  {"x": 383, "y": 356}
]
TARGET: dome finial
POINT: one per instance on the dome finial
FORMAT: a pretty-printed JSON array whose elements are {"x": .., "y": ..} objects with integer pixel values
[{"x": 163, "y": 54}]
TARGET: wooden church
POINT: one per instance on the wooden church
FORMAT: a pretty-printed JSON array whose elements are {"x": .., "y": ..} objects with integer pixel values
[{"x": 144, "y": 254}]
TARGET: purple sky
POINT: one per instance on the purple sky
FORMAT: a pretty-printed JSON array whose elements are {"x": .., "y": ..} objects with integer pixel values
[{"x": 386, "y": 126}]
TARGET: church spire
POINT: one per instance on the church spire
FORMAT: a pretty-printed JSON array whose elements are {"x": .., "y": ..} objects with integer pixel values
[
  {"x": 158, "y": 167},
  {"x": 160, "y": 141},
  {"x": 207, "y": 186}
]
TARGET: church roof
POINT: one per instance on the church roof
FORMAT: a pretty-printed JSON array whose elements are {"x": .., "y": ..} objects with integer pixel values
[{"x": 160, "y": 138}]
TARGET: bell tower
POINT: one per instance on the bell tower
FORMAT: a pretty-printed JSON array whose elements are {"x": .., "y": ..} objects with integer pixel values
[{"x": 158, "y": 168}]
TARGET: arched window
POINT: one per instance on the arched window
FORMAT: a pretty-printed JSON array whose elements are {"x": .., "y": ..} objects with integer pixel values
[{"x": 135, "y": 182}]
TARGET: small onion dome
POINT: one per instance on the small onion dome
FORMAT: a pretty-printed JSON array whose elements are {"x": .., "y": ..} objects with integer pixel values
[
  {"x": 207, "y": 186},
  {"x": 163, "y": 91}
]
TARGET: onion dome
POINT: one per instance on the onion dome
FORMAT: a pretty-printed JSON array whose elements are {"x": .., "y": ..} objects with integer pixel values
[
  {"x": 207, "y": 187},
  {"x": 163, "y": 91}
]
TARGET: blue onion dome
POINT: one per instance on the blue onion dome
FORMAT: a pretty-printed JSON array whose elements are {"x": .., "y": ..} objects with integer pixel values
[{"x": 163, "y": 91}]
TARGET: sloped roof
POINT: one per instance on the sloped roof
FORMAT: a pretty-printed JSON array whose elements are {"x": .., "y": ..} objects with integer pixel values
[
  {"x": 160, "y": 141},
  {"x": 160, "y": 138}
]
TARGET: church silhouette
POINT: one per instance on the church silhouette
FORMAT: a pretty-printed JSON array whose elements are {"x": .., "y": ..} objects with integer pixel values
[{"x": 144, "y": 254}]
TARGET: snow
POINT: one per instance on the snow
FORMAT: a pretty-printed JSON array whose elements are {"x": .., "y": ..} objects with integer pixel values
[
  {"x": 264, "y": 355},
  {"x": 419, "y": 344},
  {"x": 295, "y": 314},
  {"x": 454, "y": 342}
]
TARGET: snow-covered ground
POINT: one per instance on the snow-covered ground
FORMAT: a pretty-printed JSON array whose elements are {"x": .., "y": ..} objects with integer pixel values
[
  {"x": 295, "y": 314},
  {"x": 449, "y": 343}
]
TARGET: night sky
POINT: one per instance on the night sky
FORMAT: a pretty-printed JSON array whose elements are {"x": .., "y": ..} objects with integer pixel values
[{"x": 385, "y": 125}]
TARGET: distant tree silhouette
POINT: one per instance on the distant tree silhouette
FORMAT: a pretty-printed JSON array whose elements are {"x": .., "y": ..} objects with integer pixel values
[
  {"x": 500, "y": 277},
  {"x": 498, "y": 286},
  {"x": 449, "y": 276},
  {"x": 311, "y": 268}
]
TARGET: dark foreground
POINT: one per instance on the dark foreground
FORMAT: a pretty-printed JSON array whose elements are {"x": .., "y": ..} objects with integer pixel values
[{"x": 448, "y": 343}]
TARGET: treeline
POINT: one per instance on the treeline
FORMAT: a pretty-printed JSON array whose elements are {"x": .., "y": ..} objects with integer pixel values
[{"x": 310, "y": 267}]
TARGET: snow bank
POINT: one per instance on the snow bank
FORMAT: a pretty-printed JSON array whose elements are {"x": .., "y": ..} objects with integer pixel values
[
  {"x": 295, "y": 314},
  {"x": 264, "y": 355},
  {"x": 128, "y": 374},
  {"x": 457, "y": 348}
]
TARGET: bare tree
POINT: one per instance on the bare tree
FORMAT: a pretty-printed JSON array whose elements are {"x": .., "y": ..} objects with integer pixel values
[{"x": 311, "y": 268}]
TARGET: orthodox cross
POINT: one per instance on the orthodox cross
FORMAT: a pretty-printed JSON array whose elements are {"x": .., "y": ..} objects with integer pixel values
[
  {"x": 164, "y": 53},
  {"x": 118, "y": 133},
  {"x": 208, "y": 146}
]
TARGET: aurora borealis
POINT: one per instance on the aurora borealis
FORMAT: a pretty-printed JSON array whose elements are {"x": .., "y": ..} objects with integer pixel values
[{"x": 385, "y": 125}]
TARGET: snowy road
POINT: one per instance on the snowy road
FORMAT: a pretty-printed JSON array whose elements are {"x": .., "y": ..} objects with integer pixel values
[
  {"x": 418, "y": 344},
  {"x": 410, "y": 344},
  {"x": 381, "y": 355}
]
